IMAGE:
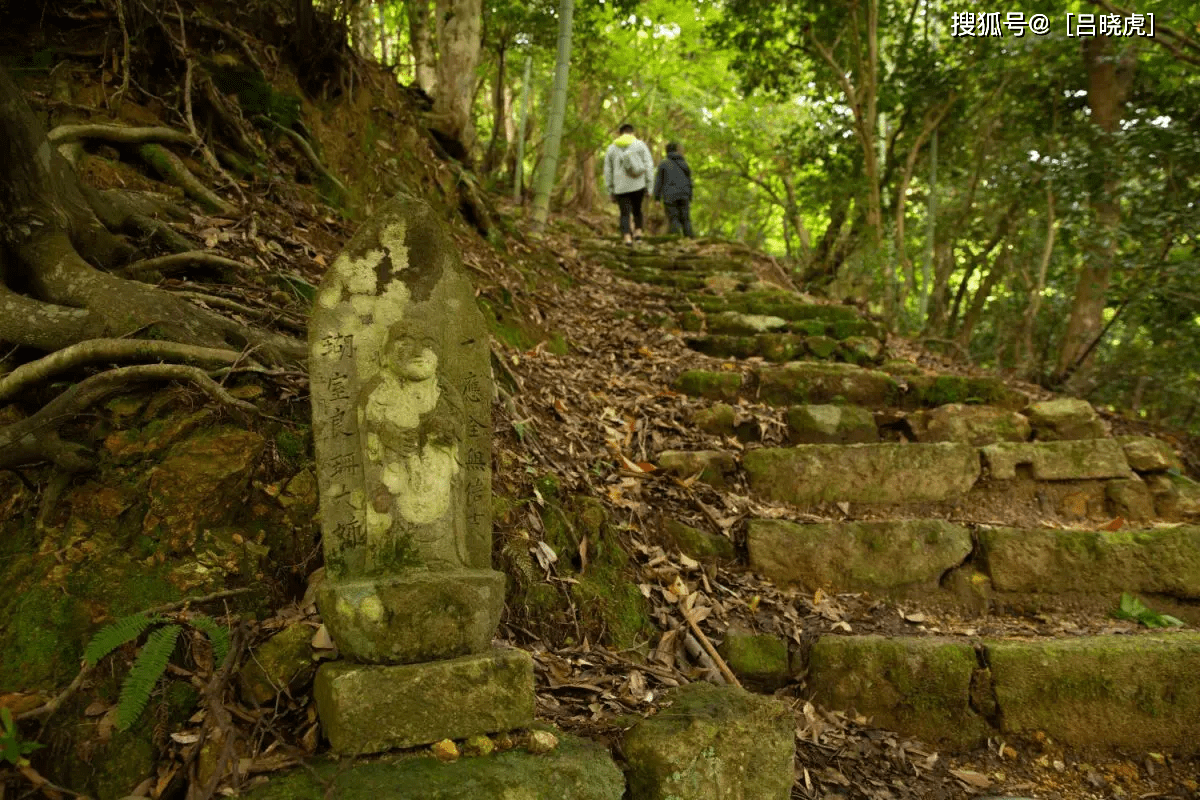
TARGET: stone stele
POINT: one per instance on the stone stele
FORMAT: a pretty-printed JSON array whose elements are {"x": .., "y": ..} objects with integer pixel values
[{"x": 401, "y": 399}]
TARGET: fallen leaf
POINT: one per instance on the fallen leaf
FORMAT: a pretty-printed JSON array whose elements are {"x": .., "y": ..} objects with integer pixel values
[{"x": 972, "y": 778}]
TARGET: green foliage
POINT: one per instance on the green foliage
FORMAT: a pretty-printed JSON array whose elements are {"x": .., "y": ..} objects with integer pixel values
[
  {"x": 218, "y": 636},
  {"x": 13, "y": 748},
  {"x": 1134, "y": 610},
  {"x": 151, "y": 660},
  {"x": 149, "y": 666},
  {"x": 112, "y": 636}
]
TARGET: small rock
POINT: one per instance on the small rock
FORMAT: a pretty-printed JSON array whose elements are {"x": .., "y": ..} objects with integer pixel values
[
  {"x": 541, "y": 742},
  {"x": 479, "y": 745},
  {"x": 712, "y": 465},
  {"x": 1065, "y": 418},
  {"x": 1147, "y": 454},
  {"x": 445, "y": 750}
]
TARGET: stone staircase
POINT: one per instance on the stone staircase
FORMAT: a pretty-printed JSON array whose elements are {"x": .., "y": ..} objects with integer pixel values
[{"x": 952, "y": 496}]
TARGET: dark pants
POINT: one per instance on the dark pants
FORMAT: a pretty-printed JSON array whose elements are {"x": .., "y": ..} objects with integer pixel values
[
  {"x": 679, "y": 216},
  {"x": 631, "y": 203}
]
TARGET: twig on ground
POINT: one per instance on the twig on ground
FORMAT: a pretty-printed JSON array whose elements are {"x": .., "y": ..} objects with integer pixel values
[{"x": 178, "y": 261}]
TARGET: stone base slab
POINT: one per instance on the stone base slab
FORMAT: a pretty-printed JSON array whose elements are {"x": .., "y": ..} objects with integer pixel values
[
  {"x": 367, "y": 708},
  {"x": 414, "y": 617}
]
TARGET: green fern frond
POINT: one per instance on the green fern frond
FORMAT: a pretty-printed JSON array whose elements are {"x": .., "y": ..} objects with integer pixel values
[
  {"x": 217, "y": 635},
  {"x": 112, "y": 636},
  {"x": 149, "y": 666}
]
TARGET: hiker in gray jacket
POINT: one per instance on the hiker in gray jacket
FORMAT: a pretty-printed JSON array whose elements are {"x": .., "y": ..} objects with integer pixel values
[{"x": 628, "y": 166}]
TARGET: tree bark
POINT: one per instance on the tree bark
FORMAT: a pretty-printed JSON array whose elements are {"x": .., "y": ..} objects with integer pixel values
[
  {"x": 1109, "y": 82},
  {"x": 420, "y": 37},
  {"x": 459, "y": 30},
  {"x": 554, "y": 124},
  {"x": 498, "y": 144}
]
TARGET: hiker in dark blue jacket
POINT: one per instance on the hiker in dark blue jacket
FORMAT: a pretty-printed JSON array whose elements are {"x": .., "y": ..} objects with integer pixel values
[{"x": 673, "y": 186}]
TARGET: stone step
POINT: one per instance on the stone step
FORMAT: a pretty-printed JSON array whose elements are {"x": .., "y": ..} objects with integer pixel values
[
  {"x": 1016, "y": 484},
  {"x": 1004, "y": 566},
  {"x": 802, "y": 382},
  {"x": 812, "y": 319},
  {"x": 785, "y": 347},
  {"x": 1134, "y": 691}
]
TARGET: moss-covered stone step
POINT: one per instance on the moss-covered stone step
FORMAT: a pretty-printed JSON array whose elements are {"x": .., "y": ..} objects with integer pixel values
[
  {"x": 862, "y": 473},
  {"x": 712, "y": 743},
  {"x": 910, "y": 557},
  {"x": 802, "y": 382},
  {"x": 655, "y": 277},
  {"x": 577, "y": 769},
  {"x": 883, "y": 556},
  {"x": 811, "y": 319},
  {"x": 1162, "y": 561},
  {"x": 783, "y": 347},
  {"x": 1089, "y": 691}
]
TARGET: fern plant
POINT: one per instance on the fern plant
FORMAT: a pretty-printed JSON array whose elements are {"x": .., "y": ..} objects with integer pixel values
[{"x": 152, "y": 658}]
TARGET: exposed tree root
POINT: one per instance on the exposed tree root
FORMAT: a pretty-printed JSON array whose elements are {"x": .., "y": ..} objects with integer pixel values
[
  {"x": 94, "y": 351},
  {"x": 179, "y": 261},
  {"x": 119, "y": 134},
  {"x": 136, "y": 213},
  {"x": 308, "y": 152},
  {"x": 269, "y": 315},
  {"x": 170, "y": 168},
  {"x": 35, "y": 438}
]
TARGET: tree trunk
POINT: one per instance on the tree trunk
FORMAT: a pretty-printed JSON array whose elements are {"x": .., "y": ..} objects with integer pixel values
[
  {"x": 420, "y": 38},
  {"x": 587, "y": 196},
  {"x": 459, "y": 27},
  {"x": 383, "y": 37},
  {"x": 518, "y": 171},
  {"x": 498, "y": 144},
  {"x": 558, "y": 110},
  {"x": 1109, "y": 81}
]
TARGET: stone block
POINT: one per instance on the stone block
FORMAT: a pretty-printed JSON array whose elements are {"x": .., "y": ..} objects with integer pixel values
[
  {"x": 826, "y": 424},
  {"x": 821, "y": 346},
  {"x": 280, "y": 663},
  {"x": 918, "y": 686},
  {"x": 367, "y": 708},
  {"x": 723, "y": 346},
  {"x": 1147, "y": 454},
  {"x": 760, "y": 660},
  {"x": 1138, "y": 691},
  {"x": 416, "y": 616},
  {"x": 712, "y": 743},
  {"x": 577, "y": 769},
  {"x": 975, "y": 425},
  {"x": 863, "y": 473},
  {"x": 709, "y": 384},
  {"x": 803, "y": 382},
  {"x": 737, "y": 324},
  {"x": 1130, "y": 498},
  {"x": 861, "y": 349},
  {"x": 714, "y": 466},
  {"x": 1058, "y": 461},
  {"x": 1064, "y": 419},
  {"x": 931, "y": 391},
  {"x": 698, "y": 544},
  {"x": 1159, "y": 560},
  {"x": 857, "y": 556},
  {"x": 779, "y": 348},
  {"x": 718, "y": 419}
]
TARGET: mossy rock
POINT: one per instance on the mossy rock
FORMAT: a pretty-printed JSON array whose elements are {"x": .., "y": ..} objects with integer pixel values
[
  {"x": 577, "y": 769},
  {"x": 723, "y": 346},
  {"x": 718, "y": 419},
  {"x": 919, "y": 687},
  {"x": 698, "y": 544},
  {"x": 822, "y": 347},
  {"x": 708, "y": 384},
  {"x": 803, "y": 382},
  {"x": 760, "y": 660},
  {"x": 930, "y": 391}
]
